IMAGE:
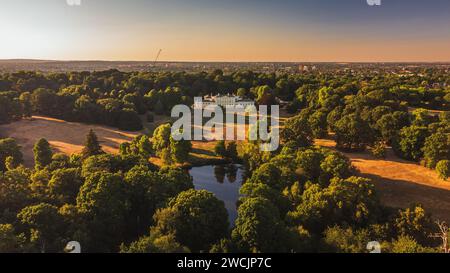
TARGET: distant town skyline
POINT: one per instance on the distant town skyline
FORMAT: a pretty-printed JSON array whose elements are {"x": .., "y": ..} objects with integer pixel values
[{"x": 226, "y": 30}]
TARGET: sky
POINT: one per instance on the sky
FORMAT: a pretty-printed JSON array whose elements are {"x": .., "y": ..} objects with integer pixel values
[{"x": 226, "y": 30}]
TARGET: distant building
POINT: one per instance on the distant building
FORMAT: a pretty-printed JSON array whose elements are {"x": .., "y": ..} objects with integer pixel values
[{"x": 223, "y": 100}]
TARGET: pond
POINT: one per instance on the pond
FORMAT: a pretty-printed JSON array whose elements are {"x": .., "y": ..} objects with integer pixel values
[{"x": 222, "y": 180}]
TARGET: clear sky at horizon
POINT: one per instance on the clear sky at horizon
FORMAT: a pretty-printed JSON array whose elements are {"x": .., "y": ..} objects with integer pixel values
[{"x": 226, "y": 30}]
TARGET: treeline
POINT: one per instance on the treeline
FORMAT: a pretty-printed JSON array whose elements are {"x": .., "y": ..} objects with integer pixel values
[
  {"x": 310, "y": 199},
  {"x": 98, "y": 199},
  {"x": 374, "y": 119},
  {"x": 299, "y": 199},
  {"x": 117, "y": 98}
]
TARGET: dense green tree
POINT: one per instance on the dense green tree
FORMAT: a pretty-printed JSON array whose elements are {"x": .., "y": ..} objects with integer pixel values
[
  {"x": 268, "y": 174},
  {"x": 336, "y": 165},
  {"x": 129, "y": 120},
  {"x": 252, "y": 156},
  {"x": 265, "y": 95},
  {"x": 297, "y": 130},
  {"x": 231, "y": 150},
  {"x": 410, "y": 142},
  {"x": 140, "y": 145},
  {"x": 389, "y": 125},
  {"x": 99, "y": 163},
  {"x": 103, "y": 204},
  {"x": 352, "y": 201},
  {"x": 146, "y": 192},
  {"x": 46, "y": 227},
  {"x": 443, "y": 169},
  {"x": 91, "y": 145},
  {"x": 259, "y": 227},
  {"x": 161, "y": 138},
  {"x": 318, "y": 123},
  {"x": 10, "y": 107},
  {"x": 14, "y": 191},
  {"x": 436, "y": 148},
  {"x": 177, "y": 180},
  {"x": 421, "y": 118},
  {"x": 308, "y": 162},
  {"x": 42, "y": 154},
  {"x": 190, "y": 212},
  {"x": 220, "y": 149},
  {"x": 10, "y": 242},
  {"x": 406, "y": 244},
  {"x": 43, "y": 101},
  {"x": 353, "y": 133},
  {"x": 64, "y": 185},
  {"x": 155, "y": 244},
  {"x": 180, "y": 150},
  {"x": 25, "y": 100},
  {"x": 9, "y": 148},
  {"x": 414, "y": 222},
  {"x": 340, "y": 240}
]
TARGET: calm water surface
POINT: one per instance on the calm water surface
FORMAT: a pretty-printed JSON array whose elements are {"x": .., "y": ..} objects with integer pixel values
[{"x": 222, "y": 180}]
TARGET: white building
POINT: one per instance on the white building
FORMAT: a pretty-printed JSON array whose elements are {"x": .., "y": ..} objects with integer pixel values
[{"x": 222, "y": 100}]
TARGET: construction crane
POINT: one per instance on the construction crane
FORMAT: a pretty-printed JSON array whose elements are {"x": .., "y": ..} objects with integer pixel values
[{"x": 157, "y": 57}]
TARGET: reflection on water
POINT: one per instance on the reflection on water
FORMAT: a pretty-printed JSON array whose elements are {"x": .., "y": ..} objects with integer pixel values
[{"x": 222, "y": 180}]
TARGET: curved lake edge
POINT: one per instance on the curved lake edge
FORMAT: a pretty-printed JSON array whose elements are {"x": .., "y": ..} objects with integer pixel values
[
  {"x": 211, "y": 162},
  {"x": 224, "y": 181}
]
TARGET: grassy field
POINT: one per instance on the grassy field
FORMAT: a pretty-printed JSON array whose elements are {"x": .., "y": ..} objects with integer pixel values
[
  {"x": 68, "y": 137},
  {"x": 400, "y": 183}
]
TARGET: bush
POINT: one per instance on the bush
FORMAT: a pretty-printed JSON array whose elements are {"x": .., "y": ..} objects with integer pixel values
[
  {"x": 443, "y": 169},
  {"x": 378, "y": 150}
]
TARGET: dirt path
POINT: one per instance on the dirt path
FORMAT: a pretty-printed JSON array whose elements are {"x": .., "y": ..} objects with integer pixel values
[{"x": 401, "y": 183}]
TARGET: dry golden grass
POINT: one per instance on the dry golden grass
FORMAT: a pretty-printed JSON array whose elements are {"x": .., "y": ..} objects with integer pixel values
[
  {"x": 64, "y": 137},
  {"x": 401, "y": 183}
]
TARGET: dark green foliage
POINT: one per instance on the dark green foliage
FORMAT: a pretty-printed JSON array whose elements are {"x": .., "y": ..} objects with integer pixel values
[
  {"x": 297, "y": 199},
  {"x": 339, "y": 240},
  {"x": 351, "y": 201},
  {"x": 190, "y": 212},
  {"x": 9, "y": 148},
  {"x": 232, "y": 150},
  {"x": 46, "y": 227},
  {"x": 64, "y": 185},
  {"x": 410, "y": 141},
  {"x": 102, "y": 203},
  {"x": 220, "y": 149},
  {"x": 414, "y": 222},
  {"x": 297, "y": 130},
  {"x": 443, "y": 169},
  {"x": 42, "y": 154},
  {"x": 436, "y": 148},
  {"x": 129, "y": 120},
  {"x": 10, "y": 242},
  {"x": 259, "y": 227},
  {"x": 91, "y": 145},
  {"x": 353, "y": 133}
]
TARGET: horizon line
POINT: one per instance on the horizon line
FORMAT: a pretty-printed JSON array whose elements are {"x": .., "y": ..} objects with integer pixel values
[{"x": 213, "y": 61}]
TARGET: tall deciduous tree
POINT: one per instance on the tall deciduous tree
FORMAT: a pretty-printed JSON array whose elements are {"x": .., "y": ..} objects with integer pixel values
[
  {"x": 196, "y": 218},
  {"x": 259, "y": 227}
]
